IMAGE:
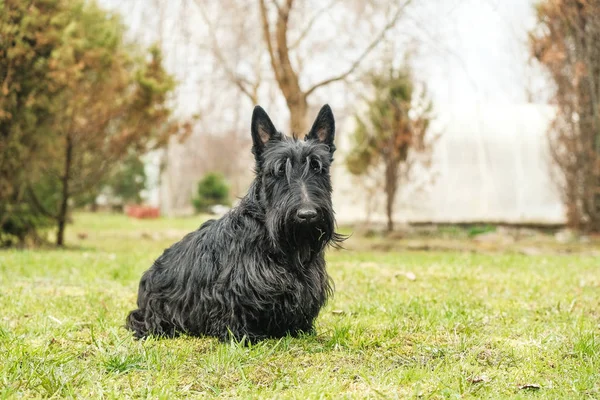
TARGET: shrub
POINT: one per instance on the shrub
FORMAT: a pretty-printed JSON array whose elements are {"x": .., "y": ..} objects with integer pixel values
[{"x": 212, "y": 190}]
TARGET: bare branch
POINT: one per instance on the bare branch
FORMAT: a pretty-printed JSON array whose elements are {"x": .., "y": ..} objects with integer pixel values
[
  {"x": 391, "y": 23},
  {"x": 267, "y": 34},
  {"x": 289, "y": 75},
  {"x": 235, "y": 78},
  {"x": 310, "y": 24},
  {"x": 276, "y": 5}
]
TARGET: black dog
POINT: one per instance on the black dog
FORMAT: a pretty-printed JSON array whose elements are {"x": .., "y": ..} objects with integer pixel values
[{"x": 259, "y": 271}]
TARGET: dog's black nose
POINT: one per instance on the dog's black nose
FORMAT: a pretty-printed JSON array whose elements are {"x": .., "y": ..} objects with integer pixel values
[{"x": 306, "y": 214}]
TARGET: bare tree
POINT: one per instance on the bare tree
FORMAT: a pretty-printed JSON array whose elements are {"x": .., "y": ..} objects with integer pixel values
[
  {"x": 288, "y": 33},
  {"x": 565, "y": 42}
]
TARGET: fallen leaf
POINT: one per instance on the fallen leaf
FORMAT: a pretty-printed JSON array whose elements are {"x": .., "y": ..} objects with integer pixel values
[
  {"x": 530, "y": 386},
  {"x": 480, "y": 379},
  {"x": 338, "y": 312}
]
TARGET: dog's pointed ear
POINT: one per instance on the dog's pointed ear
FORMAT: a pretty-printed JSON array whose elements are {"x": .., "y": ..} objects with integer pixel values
[
  {"x": 262, "y": 130},
  {"x": 323, "y": 129}
]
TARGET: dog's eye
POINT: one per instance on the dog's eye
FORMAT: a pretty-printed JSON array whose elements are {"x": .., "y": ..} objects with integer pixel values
[
  {"x": 315, "y": 165},
  {"x": 280, "y": 169}
]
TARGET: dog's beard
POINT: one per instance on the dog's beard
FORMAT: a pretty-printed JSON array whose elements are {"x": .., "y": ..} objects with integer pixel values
[{"x": 302, "y": 239}]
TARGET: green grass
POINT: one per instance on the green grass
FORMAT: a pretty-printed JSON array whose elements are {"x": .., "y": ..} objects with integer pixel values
[{"x": 465, "y": 325}]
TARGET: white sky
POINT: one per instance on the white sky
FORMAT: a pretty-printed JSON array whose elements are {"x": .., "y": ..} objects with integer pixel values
[{"x": 481, "y": 54}]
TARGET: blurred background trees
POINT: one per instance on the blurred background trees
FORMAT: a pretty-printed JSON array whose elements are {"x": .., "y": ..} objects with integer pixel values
[
  {"x": 101, "y": 100},
  {"x": 395, "y": 126},
  {"x": 289, "y": 56},
  {"x": 128, "y": 181},
  {"x": 96, "y": 106},
  {"x": 27, "y": 89},
  {"x": 123, "y": 184},
  {"x": 565, "y": 41}
]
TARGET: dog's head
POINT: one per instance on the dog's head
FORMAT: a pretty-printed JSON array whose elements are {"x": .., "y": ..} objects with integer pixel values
[{"x": 294, "y": 183}]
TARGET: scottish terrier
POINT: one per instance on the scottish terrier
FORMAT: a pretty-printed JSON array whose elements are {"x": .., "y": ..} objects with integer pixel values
[{"x": 259, "y": 271}]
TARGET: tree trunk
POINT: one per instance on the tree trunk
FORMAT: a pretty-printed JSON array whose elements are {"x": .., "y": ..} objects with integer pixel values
[
  {"x": 64, "y": 205},
  {"x": 389, "y": 208},
  {"x": 298, "y": 111},
  {"x": 391, "y": 185},
  {"x": 285, "y": 75}
]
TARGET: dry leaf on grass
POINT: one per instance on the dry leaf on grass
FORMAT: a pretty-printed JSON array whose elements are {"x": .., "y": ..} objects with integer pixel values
[
  {"x": 530, "y": 386},
  {"x": 480, "y": 379}
]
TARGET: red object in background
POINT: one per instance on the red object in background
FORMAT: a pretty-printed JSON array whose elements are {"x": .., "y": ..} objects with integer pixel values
[{"x": 142, "y": 212}]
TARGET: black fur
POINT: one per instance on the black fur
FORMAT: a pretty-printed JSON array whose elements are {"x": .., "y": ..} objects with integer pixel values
[{"x": 259, "y": 271}]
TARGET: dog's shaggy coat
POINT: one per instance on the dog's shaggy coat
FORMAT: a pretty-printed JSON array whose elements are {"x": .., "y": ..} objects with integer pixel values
[{"x": 259, "y": 271}]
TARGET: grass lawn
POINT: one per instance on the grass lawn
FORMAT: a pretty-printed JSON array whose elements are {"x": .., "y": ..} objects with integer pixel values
[{"x": 401, "y": 324}]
